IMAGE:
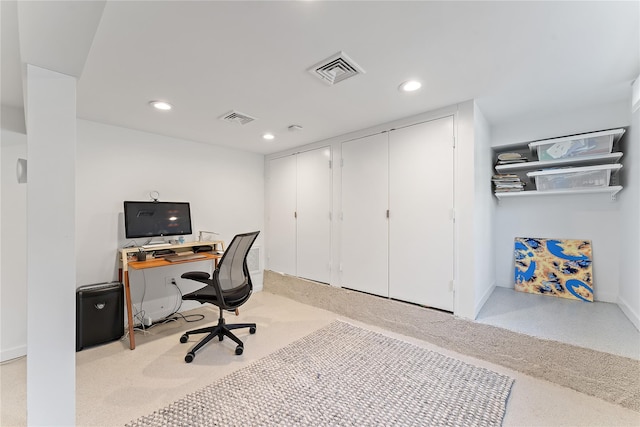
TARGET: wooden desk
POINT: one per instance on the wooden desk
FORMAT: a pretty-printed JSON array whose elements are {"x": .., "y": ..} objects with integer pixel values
[
  {"x": 158, "y": 262},
  {"x": 161, "y": 262}
]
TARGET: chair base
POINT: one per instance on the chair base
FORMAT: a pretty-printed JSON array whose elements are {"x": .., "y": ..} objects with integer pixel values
[{"x": 220, "y": 330}]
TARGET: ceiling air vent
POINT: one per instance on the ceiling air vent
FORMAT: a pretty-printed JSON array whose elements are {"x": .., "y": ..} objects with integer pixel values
[
  {"x": 336, "y": 68},
  {"x": 237, "y": 117}
]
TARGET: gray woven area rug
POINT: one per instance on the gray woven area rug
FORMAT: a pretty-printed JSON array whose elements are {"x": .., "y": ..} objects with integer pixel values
[{"x": 342, "y": 375}]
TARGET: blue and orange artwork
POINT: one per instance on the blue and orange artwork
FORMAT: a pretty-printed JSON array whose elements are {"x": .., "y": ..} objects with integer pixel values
[{"x": 557, "y": 267}]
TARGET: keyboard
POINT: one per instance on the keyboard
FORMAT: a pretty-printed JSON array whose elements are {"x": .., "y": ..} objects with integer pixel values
[
  {"x": 178, "y": 258},
  {"x": 156, "y": 245}
]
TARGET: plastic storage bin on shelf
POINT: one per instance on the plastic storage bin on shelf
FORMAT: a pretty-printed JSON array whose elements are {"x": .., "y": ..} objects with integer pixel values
[
  {"x": 587, "y": 144},
  {"x": 574, "y": 178}
]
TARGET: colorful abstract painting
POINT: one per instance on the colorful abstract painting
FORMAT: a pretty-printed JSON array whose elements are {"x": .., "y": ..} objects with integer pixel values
[{"x": 557, "y": 267}]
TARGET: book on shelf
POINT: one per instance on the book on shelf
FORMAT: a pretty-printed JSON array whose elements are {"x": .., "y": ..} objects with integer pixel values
[
  {"x": 510, "y": 162},
  {"x": 508, "y": 190},
  {"x": 511, "y": 158},
  {"x": 507, "y": 182},
  {"x": 505, "y": 177}
]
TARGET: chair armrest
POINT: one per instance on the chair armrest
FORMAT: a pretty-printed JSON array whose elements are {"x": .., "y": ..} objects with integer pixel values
[{"x": 199, "y": 276}]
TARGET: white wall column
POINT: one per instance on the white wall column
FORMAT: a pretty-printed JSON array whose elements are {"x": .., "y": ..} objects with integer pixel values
[
  {"x": 629, "y": 290},
  {"x": 465, "y": 214},
  {"x": 51, "y": 274}
]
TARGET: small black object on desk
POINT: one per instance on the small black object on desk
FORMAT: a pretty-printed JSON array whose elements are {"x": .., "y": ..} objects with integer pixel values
[{"x": 163, "y": 252}]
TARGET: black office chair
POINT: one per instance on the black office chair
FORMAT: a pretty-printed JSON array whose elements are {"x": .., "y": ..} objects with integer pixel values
[{"x": 228, "y": 288}]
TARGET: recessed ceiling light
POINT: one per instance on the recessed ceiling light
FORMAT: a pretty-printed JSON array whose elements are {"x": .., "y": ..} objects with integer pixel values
[
  {"x": 268, "y": 136},
  {"x": 410, "y": 86},
  {"x": 161, "y": 105}
]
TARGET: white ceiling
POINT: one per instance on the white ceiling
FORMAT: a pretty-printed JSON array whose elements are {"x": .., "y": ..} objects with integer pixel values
[{"x": 209, "y": 57}]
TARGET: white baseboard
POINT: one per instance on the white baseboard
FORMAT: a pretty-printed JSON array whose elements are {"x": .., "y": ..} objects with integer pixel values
[
  {"x": 257, "y": 279},
  {"x": 13, "y": 353},
  {"x": 629, "y": 312},
  {"x": 606, "y": 297},
  {"x": 483, "y": 300}
]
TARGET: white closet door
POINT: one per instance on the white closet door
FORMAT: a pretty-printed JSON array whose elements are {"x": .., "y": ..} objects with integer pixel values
[
  {"x": 281, "y": 223},
  {"x": 313, "y": 215},
  {"x": 365, "y": 197},
  {"x": 421, "y": 203}
]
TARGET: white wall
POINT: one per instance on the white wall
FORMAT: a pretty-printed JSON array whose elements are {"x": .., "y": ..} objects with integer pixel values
[
  {"x": 591, "y": 217},
  {"x": 223, "y": 186},
  {"x": 594, "y": 217},
  {"x": 13, "y": 281},
  {"x": 484, "y": 210},
  {"x": 13, "y": 228},
  {"x": 531, "y": 127},
  {"x": 629, "y": 292}
]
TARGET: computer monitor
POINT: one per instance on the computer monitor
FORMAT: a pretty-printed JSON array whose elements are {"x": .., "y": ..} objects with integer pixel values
[{"x": 155, "y": 219}]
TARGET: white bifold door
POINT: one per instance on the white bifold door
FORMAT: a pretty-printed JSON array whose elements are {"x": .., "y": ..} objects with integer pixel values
[
  {"x": 365, "y": 201},
  {"x": 299, "y": 215},
  {"x": 397, "y": 201},
  {"x": 421, "y": 208}
]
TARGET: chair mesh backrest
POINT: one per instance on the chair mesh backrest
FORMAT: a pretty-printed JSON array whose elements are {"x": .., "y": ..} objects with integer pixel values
[{"x": 232, "y": 272}]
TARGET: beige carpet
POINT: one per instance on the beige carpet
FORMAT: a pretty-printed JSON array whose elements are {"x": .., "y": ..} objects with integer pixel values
[
  {"x": 609, "y": 377},
  {"x": 115, "y": 385}
]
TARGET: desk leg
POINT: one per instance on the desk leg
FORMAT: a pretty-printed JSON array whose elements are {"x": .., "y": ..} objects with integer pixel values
[{"x": 127, "y": 297}]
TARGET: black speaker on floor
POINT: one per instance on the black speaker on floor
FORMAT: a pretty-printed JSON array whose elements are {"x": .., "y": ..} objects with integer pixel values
[{"x": 99, "y": 314}]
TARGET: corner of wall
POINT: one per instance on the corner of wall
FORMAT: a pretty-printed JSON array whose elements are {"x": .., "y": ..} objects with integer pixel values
[
  {"x": 13, "y": 256},
  {"x": 629, "y": 290},
  {"x": 12, "y": 119},
  {"x": 483, "y": 299},
  {"x": 633, "y": 316},
  {"x": 13, "y": 353}
]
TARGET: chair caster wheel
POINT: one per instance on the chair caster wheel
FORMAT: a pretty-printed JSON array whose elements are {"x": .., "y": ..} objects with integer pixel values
[
  {"x": 189, "y": 357},
  {"x": 252, "y": 330},
  {"x": 184, "y": 338},
  {"x": 239, "y": 350}
]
